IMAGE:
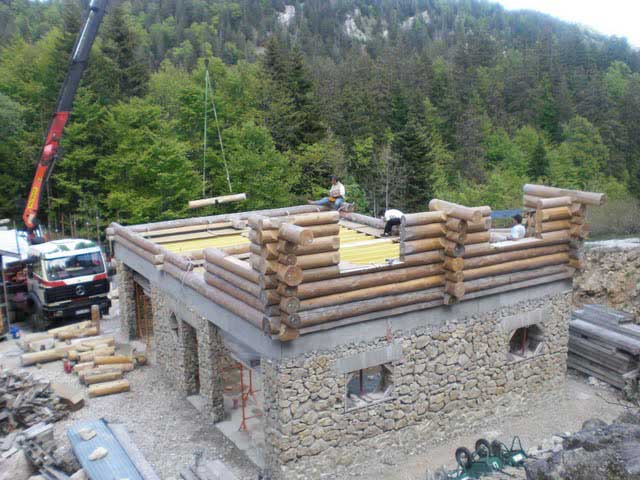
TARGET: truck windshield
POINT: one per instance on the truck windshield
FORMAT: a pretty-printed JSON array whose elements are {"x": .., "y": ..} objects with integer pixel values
[{"x": 74, "y": 266}]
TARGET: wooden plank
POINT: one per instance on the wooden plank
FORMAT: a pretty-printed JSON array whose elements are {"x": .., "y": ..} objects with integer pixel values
[
  {"x": 598, "y": 320},
  {"x": 614, "y": 339},
  {"x": 615, "y": 316},
  {"x": 583, "y": 365}
]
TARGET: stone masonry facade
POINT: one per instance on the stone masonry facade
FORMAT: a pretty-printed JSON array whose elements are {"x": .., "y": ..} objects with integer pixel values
[
  {"x": 188, "y": 351},
  {"x": 448, "y": 378},
  {"x": 126, "y": 300},
  {"x": 611, "y": 275}
]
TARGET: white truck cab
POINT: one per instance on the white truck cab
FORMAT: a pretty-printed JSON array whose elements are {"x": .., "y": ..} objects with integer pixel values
[{"x": 65, "y": 278}]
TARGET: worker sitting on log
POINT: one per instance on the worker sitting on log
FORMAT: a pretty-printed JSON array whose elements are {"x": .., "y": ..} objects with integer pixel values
[
  {"x": 336, "y": 195},
  {"x": 393, "y": 217}
]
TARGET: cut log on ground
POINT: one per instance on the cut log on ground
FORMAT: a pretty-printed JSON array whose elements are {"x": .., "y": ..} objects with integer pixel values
[
  {"x": 102, "y": 377},
  {"x": 108, "y": 388},
  {"x": 110, "y": 360}
]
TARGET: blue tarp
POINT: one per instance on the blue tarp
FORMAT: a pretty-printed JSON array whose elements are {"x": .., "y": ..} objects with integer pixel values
[
  {"x": 115, "y": 465},
  {"x": 505, "y": 213}
]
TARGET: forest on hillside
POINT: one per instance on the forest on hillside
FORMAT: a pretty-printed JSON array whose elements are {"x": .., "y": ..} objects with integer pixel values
[{"x": 406, "y": 100}]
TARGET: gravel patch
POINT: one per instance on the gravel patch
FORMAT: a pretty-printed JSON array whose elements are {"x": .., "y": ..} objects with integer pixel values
[{"x": 167, "y": 429}]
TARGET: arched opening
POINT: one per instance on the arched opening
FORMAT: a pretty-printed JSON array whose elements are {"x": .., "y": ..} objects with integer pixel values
[{"x": 526, "y": 342}]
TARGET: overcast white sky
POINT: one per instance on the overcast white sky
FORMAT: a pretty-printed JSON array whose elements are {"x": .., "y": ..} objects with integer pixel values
[{"x": 611, "y": 17}]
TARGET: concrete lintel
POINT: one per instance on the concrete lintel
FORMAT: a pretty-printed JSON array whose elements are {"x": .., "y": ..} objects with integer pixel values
[
  {"x": 524, "y": 319},
  {"x": 136, "y": 263},
  {"x": 371, "y": 358}
]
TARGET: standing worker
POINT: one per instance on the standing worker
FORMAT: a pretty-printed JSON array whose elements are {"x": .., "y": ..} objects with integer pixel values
[
  {"x": 393, "y": 217},
  {"x": 336, "y": 195}
]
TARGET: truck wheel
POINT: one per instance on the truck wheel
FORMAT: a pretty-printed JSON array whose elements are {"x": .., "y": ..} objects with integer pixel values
[{"x": 39, "y": 322}]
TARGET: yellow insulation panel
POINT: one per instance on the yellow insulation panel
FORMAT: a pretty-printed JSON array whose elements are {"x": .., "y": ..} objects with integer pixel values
[
  {"x": 199, "y": 244},
  {"x": 357, "y": 254},
  {"x": 377, "y": 252}
]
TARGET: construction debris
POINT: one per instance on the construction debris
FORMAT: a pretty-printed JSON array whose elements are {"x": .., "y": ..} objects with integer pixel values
[
  {"x": 605, "y": 343},
  {"x": 25, "y": 401}
]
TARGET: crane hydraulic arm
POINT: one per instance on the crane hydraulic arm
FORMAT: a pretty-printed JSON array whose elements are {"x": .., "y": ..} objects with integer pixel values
[{"x": 49, "y": 153}]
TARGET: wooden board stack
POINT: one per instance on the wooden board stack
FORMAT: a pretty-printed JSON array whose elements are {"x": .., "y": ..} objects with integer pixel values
[{"x": 605, "y": 343}]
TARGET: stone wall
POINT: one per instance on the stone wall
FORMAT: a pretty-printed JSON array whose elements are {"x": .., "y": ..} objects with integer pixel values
[
  {"x": 190, "y": 353},
  {"x": 126, "y": 300},
  {"x": 446, "y": 379},
  {"x": 611, "y": 276}
]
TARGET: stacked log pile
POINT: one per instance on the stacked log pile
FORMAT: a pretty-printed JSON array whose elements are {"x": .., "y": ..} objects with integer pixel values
[
  {"x": 94, "y": 356},
  {"x": 605, "y": 343},
  {"x": 464, "y": 227}
]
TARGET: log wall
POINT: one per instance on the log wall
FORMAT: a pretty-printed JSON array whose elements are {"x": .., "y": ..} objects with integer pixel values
[{"x": 292, "y": 279}]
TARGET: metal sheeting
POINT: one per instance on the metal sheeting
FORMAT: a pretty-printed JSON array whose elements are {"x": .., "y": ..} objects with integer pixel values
[{"x": 115, "y": 465}]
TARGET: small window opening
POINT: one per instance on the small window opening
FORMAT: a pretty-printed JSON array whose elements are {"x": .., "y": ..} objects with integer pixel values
[
  {"x": 526, "y": 342},
  {"x": 369, "y": 385},
  {"x": 173, "y": 323}
]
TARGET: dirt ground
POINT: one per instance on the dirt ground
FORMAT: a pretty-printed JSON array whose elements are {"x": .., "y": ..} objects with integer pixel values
[{"x": 170, "y": 431}]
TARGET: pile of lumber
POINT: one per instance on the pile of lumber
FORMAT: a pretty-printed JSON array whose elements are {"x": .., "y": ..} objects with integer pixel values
[
  {"x": 464, "y": 226},
  {"x": 25, "y": 401},
  {"x": 605, "y": 344}
]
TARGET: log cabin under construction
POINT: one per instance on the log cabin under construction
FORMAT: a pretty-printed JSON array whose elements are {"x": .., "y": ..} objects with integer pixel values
[{"x": 331, "y": 340}]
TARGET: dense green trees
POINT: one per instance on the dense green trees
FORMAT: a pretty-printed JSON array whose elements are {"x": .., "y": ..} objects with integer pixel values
[{"x": 405, "y": 100}]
